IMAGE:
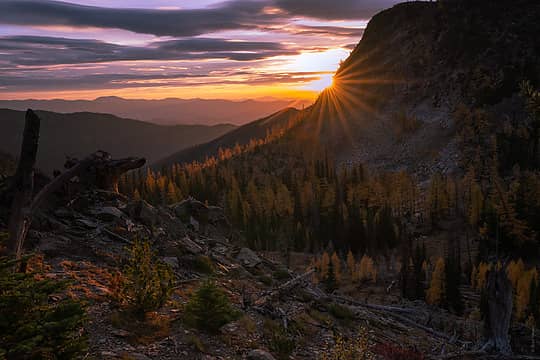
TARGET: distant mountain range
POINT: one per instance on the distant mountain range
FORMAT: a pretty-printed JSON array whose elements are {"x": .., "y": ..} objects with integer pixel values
[
  {"x": 170, "y": 111},
  {"x": 79, "y": 134}
]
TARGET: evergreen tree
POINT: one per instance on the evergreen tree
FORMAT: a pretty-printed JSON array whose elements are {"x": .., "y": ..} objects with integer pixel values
[
  {"x": 453, "y": 299},
  {"x": 209, "y": 308},
  {"x": 435, "y": 294},
  {"x": 31, "y": 325},
  {"x": 330, "y": 281}
]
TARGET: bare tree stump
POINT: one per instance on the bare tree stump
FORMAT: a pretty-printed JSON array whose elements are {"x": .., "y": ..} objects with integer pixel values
[
  {"x": 97, "y": 170},
  {"x": 22, "y": 185},
  {"x": 498, "y": 312}
]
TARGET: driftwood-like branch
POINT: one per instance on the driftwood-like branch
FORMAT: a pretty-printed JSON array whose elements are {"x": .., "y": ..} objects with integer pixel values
[
  {"x": 98, "y": 170},
  {"x": 284, "y": 287}
]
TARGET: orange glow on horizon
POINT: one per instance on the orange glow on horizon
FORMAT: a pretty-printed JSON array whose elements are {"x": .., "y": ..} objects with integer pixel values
[{"x": 229, "y": 92}]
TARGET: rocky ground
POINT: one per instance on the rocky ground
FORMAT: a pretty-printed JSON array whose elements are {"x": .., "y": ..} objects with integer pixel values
[{"x": 85, "y": 240}]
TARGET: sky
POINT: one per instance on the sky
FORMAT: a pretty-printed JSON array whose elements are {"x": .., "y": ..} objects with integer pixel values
[{"x": 153, "y": 49}]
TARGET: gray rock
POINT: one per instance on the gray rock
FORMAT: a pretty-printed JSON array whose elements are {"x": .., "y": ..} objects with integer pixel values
[
  {"x": 259, "y": 354},
  {"x": 190, "y": 246},
  {"x": 248, "y": 258},
  {"x": 120, "y": 333},
  {"x": 194, "y": 223},
  {"x": 172, "y": 261},
  {"x": 142, "y": 211},
  {"x": 191, "y": 207},
  {"x": 86, "y": 223},
  {"x": 108, "y": 213},
  {"x": 138, "y": 356}
]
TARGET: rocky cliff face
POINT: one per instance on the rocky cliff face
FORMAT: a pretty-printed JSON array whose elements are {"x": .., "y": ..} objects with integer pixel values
[{"x": 392, "y": 101}]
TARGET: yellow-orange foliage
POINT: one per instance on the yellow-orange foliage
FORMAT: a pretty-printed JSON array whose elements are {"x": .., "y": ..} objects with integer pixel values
[
  {"x": 474, "y": 276},
  {"x": 483, "y": 269},
  {"x": 325, "y": 261},
  {"x": 337, "y": 266},
  {"x": 351, "y": 263},
  {"x": 367, "y": 269},
  {"x": 435, "y": 293},
  {"x": 515, "y": 270},
  {"x": 523, "y": 292}
]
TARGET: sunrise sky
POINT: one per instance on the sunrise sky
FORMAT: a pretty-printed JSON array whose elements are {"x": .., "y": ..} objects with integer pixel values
[{"x": 239, "y": 49}]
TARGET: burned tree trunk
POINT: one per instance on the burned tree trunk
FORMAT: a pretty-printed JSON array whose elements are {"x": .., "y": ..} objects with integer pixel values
[
  {"x": 22, "y": 186},
  {"x": 97, "y": 170},
  {"x": 107, "y": 174},
  {"x": 497, "y": 312}
]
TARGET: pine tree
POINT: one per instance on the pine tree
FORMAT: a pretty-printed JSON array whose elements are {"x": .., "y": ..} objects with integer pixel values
[
  {"x": 209, "y": 308},
  {"x": 325, "y": 262},
  {"x": 145, "y": 283},
  {"x": 32, "y": 326},
  {"x": 351, "y": 262},
  {"x": 453, "y": 299},
  {"x": 330, "y": 281},
  {"x": 336, "y": 263},
  {"x": 435, "y": 294},
  {"x": 515, "y": 270}
]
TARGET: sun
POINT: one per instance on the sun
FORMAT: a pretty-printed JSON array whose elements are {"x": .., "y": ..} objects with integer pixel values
[{"x": 325, "y": 81}]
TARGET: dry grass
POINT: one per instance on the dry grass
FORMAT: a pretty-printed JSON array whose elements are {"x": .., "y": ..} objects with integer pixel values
[{"x": 142, "y": 332}]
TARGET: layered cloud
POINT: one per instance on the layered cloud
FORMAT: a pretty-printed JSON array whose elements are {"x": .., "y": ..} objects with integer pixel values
[
  {"x": 229, "y": 15},
  {"x": 46, "y": 45},
  {"x": 41, "y": 50}
]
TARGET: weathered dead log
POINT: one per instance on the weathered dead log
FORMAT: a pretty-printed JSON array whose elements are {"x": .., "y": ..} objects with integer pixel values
[
  {"x": 284, "y": 287},
  {"x": 498, "y": 312},
  {"x": 105, "y": 171},
  {"x": 22, "y": 185},
  {"x": 396, "y": 309}
]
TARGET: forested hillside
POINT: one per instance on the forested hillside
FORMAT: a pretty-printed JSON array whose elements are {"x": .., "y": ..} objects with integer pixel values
[{"x": 479, "y": 197}]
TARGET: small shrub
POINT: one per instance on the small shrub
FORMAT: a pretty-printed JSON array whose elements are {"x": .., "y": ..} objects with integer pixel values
[
  {"x": 247, "y": 324},
  {"x": 281, "y": 342},
  {"x": 204, "y": 264},
  {"x": 266, "y": 280},
  {"x": 209, "y": 308},
  {"x": 320, "y": 317},
  {"x": 340, "y": 312},
  {"x": 31, "y": 326},
  {"x": 358, "y": 348},
  {"x": 145, "y": 283},
  {"x": 281, "y": 275}
]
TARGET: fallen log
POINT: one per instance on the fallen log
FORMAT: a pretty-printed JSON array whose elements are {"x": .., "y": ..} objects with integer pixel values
[{"x": 284, "y": 287}]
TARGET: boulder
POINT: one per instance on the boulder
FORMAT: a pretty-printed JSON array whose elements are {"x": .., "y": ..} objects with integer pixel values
[
  {"x": 142, "y": 211},
  {"x": 248, "y": 258},
  {"x": 259, "y": 354}
]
